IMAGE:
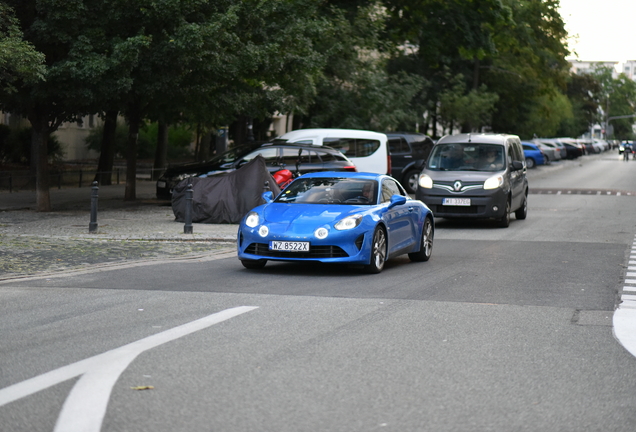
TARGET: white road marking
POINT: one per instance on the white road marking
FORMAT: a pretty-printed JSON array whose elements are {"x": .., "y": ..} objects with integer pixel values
[
  {"x": 85, "y": 407},
  {"x": 624, "y": 320}
]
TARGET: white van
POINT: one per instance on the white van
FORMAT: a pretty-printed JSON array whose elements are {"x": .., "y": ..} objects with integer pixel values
[{"x": 367, "y": 150}]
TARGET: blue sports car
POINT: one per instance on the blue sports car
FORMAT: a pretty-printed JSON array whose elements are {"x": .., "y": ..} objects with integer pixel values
[{"x": 337, "y": 217}]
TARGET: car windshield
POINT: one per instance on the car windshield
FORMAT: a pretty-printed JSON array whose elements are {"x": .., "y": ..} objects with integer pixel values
[
  {"x": 330, "y": 190},
  {"x": 467, "y": 157},
  {"x": 231, "y": 155}
]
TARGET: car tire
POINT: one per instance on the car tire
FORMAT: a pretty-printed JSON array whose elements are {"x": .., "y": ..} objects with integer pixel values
[
  {"x": 504, "y": 222},
  {"x": 530, "y": 163},
  {"x": 410, "y": 181},
  {"x": 426, "y": 243},
  {"x": 378, "y": 252},
  {"x": 254, "y": 264},
  {"x": 522, "y": 212}
]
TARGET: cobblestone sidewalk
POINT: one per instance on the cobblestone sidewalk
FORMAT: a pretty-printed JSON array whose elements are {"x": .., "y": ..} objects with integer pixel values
[{"x": 33, "y": 243}]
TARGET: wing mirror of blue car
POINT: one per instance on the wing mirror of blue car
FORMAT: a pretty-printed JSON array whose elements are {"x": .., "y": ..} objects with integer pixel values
[
  {"x": 397, "y": 200},
  {"x": 268, "y": 196}
]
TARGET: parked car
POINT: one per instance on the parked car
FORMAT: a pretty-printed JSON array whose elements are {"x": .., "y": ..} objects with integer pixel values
[
  {"x": 367, "y": 150},
  {"x": 409, "y": 152},
  {"x": 589, "y": 147},
  {"x": 602, "y": 145},
  {"x": 533, "y": 154},
  {"x": 333, "y": 217},
  {"x": 573, "y": 150},
  {"x": 480, "y": 176},
  {"x": 298, "y": 158},
  {"x": 557, "y": 144},
  {"x": 550, "y": 151}
]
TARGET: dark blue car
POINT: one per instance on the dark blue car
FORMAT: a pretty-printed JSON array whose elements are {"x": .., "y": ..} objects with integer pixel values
[
  {"x": 534, "y": 155},
  {"x": 337, "y": 217}
]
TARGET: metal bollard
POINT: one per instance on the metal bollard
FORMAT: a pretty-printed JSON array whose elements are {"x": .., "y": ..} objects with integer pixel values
[
  {"x": 92, "y": 226},
  {"x": 187, "y": 228}
]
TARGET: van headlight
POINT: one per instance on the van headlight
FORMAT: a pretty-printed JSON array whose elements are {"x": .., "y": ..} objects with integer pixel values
[
  {"x": 494, "y": 182},
  {"x": 425, "y": 181}
]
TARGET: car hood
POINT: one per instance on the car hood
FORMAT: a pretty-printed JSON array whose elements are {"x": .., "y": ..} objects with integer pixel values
[
  {"x": 465, "y": 176},
  {"x": 307, "y": 214}
]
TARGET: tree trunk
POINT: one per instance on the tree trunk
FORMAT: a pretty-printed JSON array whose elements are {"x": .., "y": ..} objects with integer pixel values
[
  {"x": 131, "y": 157},
  {"x": 240, "y": 130},
  {"x": 107, "y": 154},
  {"x": 39, "y": 156},
  {"x": 161, "y": 154},
  {"x": 206, "y": 141}
]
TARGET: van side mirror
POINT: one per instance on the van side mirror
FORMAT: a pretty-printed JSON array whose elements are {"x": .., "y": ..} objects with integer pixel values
[{"x": 517, "y": 165}]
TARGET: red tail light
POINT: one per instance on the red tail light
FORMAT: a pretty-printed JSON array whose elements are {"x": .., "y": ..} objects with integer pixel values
[
  {"x": 388, "y": 164},
  {"x": 351, "y": 168}
]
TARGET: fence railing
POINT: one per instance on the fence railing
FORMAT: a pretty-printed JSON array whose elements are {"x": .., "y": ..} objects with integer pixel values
[{"x": 14, "y": 181}]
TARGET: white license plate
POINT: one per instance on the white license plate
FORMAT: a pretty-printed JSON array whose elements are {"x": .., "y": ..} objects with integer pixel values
[
  {"x": 161, "y": 184},
  {"x": 456, "y": 201},
  {"x": 289, "y": 246}
]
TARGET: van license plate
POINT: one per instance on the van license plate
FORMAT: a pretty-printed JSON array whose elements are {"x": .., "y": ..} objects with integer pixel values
[
  {"x": 289, "y": 246},
  {"x": 456, "y": 201}
]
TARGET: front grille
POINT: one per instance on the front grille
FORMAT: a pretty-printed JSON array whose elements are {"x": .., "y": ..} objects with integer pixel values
[
  {"x": 439, "y": 209},
  {"x": 315, "y": 252}
]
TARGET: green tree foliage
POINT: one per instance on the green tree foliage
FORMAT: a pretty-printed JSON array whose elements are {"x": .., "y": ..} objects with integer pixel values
[
  {"x": 432, "y": 37},
  {"x": 529, "y": 71},
  {"x": 355, "y": 89},
  {"x": 617, "y": 98},
  {"x": 75, "y": 76},
  {"x": 19, "y": 60},
  {"x": 471, "y": 109},
  {"x": 584, "y": 92}
]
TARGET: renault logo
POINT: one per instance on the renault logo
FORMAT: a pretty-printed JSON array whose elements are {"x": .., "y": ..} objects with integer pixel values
[{"x": 457, "y": 186}]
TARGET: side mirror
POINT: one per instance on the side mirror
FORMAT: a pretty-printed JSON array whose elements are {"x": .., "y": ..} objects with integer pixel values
[
  {"x": 517, "y": 165},
  {"x": 268, "y": 196},
  {"x": 397, "y": 200}
]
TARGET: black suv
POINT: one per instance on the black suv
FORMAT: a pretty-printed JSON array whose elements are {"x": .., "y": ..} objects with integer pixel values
[
  {"x": 298, "y": 158},
  {"x": 409, "y": 152}
]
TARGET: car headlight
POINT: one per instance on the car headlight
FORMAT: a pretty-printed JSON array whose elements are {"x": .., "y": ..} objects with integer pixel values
[
  {"x": 425, "y": 181},
  {"x": 348, "y": 223},
  {"x": 263, "y": 231},
  {"x": 494, "y": 182},
  {"x": 321, "y": 233},
  {"x": 252, "y": 220}
]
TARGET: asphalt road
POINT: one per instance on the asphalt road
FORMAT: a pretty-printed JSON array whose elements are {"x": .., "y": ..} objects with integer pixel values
[{"x": 502, "y": 330}]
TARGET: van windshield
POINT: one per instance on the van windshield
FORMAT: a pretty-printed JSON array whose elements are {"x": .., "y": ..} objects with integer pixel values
[{"x": 467, "y": 157}]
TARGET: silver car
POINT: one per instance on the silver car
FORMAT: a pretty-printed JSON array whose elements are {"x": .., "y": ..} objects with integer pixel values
[{"x": 550, "y": 151}]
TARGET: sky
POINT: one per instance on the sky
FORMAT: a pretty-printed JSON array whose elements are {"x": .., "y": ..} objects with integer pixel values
[{"x": 600, "y": 30}]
